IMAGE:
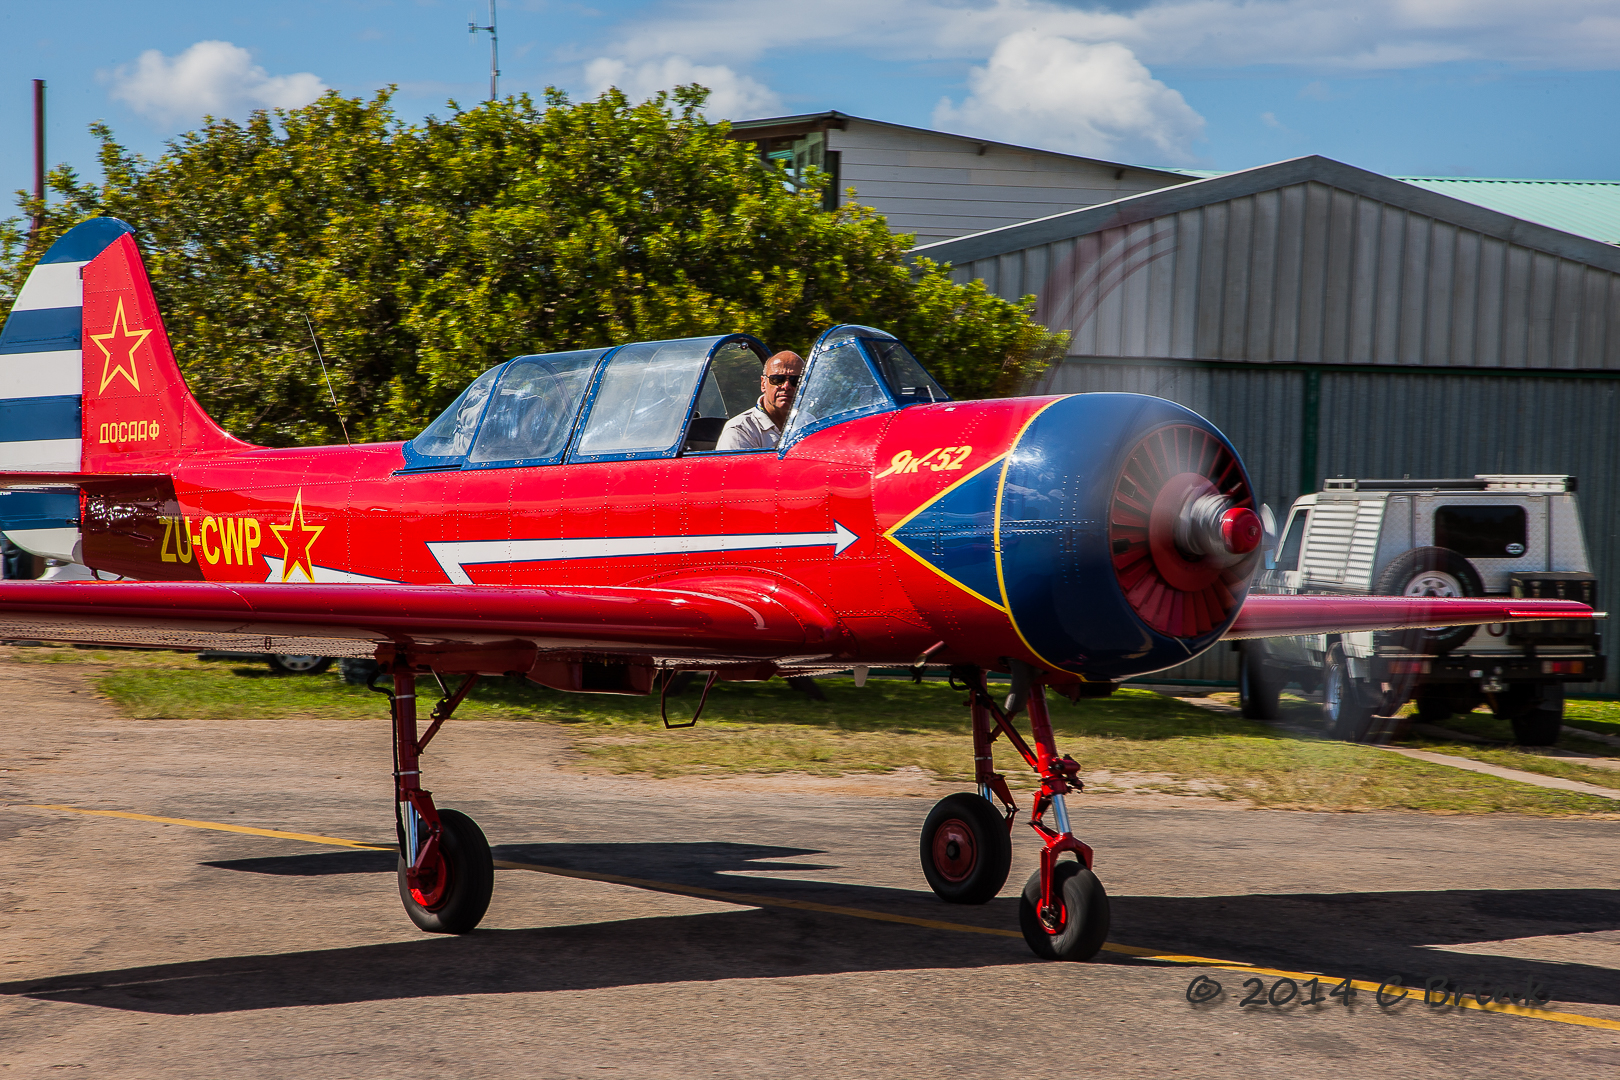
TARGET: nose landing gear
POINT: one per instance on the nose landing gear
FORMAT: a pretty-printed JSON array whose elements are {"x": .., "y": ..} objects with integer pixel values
[
  {"x": 967, "y": 850},
  {"x": 446, "y": 873}
]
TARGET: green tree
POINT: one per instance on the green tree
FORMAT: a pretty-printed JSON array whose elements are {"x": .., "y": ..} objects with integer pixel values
[{"x": 424, "y": 254}]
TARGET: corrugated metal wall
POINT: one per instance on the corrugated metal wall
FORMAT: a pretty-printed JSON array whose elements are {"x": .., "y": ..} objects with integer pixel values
[
  {"x": 1309, "y": 273},
  {"x": 1378, "y": 424}
]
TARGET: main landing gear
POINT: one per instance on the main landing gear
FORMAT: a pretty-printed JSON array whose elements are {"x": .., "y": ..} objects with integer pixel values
[
  {"x": 966, "y": 844},
  {"x": 446, "y": 874}
]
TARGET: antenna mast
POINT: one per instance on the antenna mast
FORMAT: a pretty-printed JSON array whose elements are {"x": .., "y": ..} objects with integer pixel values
[{"x": 494, "y": 55}]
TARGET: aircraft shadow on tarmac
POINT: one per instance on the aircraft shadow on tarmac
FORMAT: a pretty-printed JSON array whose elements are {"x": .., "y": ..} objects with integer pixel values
[{"x": 1365, "y": 935}]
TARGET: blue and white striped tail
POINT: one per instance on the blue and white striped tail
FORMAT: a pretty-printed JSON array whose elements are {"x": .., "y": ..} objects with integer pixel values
[
  {"x": 42, "y": 388},
  {"x": 41, "y": 357}
]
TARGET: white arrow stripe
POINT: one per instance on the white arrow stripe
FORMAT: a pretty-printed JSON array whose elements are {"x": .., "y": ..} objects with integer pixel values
[
  {"x": 324, "y": 575},
  {"x": 455, "y": 556}
]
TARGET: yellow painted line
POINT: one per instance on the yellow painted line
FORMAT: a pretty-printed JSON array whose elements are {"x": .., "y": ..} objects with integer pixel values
[
  {"x": 308, "y": 838},
  {"x": 755, "y": 900}
]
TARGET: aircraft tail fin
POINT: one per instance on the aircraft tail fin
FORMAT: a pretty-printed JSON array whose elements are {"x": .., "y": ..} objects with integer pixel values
[
  {"x": 89, "y": 386},
  {"x": 88, "y": 382}
]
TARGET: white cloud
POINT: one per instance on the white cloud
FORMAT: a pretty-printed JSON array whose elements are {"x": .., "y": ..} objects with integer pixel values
[
  {"x": 1367, "y": 35},
  {"x": 211, "y": 77},
  {"x": 1092, "y": 99},
  {"x": 731, "y": 96}
]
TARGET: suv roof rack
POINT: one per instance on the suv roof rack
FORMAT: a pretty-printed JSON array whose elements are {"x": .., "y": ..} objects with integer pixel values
[{"x": 1480, "y": 482}]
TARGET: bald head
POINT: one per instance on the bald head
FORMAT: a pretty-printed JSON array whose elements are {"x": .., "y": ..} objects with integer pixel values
[{"x": 779, "y": 384}]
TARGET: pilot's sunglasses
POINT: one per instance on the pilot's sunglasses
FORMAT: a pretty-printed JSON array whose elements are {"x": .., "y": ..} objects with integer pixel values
[{"x": 779, "y": 379}]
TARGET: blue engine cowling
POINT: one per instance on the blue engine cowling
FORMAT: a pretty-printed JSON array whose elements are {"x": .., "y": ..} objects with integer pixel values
[{"x": 1126, "y": 534}]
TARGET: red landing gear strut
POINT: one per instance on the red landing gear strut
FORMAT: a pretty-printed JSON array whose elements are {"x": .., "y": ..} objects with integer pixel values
[
  {"x": 446, "y": 873},
  {"x": 966, "y": 844}
]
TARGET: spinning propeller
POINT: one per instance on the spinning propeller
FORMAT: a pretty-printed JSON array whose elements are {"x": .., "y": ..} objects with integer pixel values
[{"x": 1182, "y": 531}]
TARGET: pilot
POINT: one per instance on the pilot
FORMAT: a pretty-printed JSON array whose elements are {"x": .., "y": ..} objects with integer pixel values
[{"x": 760, "y": 428}]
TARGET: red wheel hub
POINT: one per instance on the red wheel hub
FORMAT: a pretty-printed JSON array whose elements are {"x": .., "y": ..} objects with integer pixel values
[
  {"x": 432, "y": 886},
  {"x": 1182, "y": 531},
  {"x": 955, "y": 853}
]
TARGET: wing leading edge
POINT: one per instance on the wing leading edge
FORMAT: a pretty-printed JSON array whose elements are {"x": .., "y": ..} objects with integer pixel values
[
  {"x": 724, "y": 618},
  {"x": 729, "y": 620},
  {"x": 1281, "y": 616}
]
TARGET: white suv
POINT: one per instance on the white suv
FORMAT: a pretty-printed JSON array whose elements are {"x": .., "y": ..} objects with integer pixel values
[{"x": 1484, "y": 536}]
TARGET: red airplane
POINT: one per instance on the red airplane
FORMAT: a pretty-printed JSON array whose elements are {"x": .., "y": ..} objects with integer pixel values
[{"x": 568, "y": 520}]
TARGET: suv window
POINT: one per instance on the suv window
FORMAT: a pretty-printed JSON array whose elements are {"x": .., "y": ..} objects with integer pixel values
[
  {"x": 1481, "y": 532},
  {"x": 1288, "y": 559}
]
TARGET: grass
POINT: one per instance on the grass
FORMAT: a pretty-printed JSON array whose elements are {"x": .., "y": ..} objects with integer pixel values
[
  {"x": 1486, "y": 725},
  {"x": 1134, "y": 740}
]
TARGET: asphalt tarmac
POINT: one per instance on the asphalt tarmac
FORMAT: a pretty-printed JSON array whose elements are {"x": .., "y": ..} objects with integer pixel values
[{"x": 134, "y": 948}]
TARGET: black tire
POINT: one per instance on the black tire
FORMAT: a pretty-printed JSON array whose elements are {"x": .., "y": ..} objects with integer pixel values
[
  {"x": 357, "y": 671},
  {"x": 1085, "y": 908},
  {"x": 1535, "y": 710},
  {"x": 298, "y": 664},
  {"x": 1433, "y": 708},
  {"x": 1345, "y": 707},
  {"x": 965, "y": 849},
  {"x": 471, "y": 870},
  {"x": 1258, "y": 685},
  {"x": 1429, "y": 571}
]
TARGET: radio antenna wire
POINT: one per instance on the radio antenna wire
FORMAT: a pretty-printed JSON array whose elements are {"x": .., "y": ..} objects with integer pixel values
[{"x": 336, "y": 411}]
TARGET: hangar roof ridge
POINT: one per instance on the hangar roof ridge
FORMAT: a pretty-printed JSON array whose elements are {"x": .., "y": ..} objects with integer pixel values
[
  {"x": 1233, "y": 185},
  {"x": 778, "y": 124}
]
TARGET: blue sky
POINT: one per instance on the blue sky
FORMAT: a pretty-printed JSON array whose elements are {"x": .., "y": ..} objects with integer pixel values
[{"x": 1410, "y": 87}]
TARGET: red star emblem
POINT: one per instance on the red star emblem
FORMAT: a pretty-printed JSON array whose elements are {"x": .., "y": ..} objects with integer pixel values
[
  {"x": 122, "y": 342},
  {"x": 296, "y": 540}
]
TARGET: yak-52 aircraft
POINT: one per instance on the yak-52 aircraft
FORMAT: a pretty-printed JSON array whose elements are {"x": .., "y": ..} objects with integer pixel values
[{"x": 568, "y": 520}]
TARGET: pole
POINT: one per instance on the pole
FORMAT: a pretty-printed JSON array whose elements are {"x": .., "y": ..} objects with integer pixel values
[
  {"x": 39, "y": 156},
  {"x": 494, "y": 51},
  {"x": 494, "y": 55}
]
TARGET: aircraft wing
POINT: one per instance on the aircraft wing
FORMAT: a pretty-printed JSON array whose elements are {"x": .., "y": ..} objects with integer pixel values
[
  {"x": 1281, "y": 616},
  {"x": 731, "y": 620}
]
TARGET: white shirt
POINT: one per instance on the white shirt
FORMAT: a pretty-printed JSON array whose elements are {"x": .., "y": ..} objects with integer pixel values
[{"x": 752, "y": 430}]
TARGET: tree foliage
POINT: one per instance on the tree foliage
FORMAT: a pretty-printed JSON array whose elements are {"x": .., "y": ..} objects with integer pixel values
[{"x": 424, "y": 254}]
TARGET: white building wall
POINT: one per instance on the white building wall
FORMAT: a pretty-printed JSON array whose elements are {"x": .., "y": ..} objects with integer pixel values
[{"x": 938, "y": 186}]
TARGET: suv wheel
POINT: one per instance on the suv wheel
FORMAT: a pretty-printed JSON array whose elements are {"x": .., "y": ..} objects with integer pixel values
[
  {"x": 1258, "y": 685},
  {"x": 1345, "y": 704},
  {"x": 1536, "y": 711},
  {"x": 298, "y": 664},
  {"x": 1429, "y": 571}
]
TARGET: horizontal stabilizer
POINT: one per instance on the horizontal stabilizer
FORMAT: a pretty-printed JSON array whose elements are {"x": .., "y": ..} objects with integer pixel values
[{"x": 1283, "y": 616}]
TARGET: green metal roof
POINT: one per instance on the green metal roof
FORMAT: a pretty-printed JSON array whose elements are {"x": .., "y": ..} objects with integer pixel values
[{"x": 1589, "y": 208}]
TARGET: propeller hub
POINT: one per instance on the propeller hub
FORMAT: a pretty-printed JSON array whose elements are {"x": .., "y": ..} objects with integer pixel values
[{"x": 1241, "y": 530}]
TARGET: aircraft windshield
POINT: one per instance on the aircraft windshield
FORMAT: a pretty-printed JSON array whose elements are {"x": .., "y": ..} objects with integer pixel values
[
  {"x": 839, "y": 383},
  {"x": 452, "y": 433},
  {"x": 905, "y": 376},
  {"x": 533, "y": 410}
]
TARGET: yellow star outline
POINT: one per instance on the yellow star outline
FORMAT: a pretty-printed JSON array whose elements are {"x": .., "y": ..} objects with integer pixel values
[
  {"x": 118, "y": 335},
  {"x": 295, "y": 549}
]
